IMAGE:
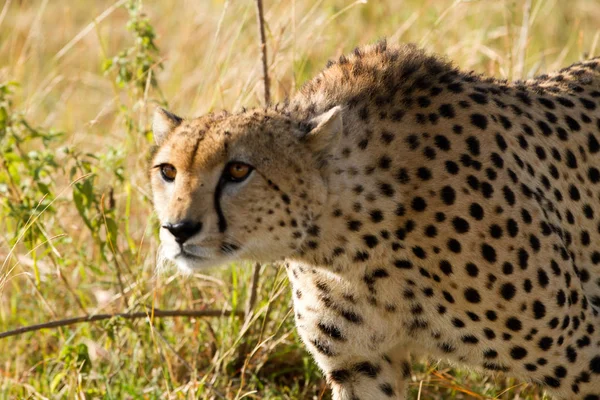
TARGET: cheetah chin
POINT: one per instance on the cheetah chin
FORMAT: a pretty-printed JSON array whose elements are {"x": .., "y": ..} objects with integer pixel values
[{"x": 419, "y": 210}]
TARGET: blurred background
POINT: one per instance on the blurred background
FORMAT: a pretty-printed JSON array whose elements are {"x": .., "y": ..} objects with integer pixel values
[{"x": 78, "y": 83}]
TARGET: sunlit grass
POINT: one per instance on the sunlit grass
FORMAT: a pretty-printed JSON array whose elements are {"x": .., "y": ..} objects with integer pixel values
[{"x": 59, "y": 260}]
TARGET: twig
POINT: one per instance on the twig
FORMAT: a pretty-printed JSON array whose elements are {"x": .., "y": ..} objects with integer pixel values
[
  {"x": 109, "y": 239},
  {"x": 65, "y": 281},
  {"x": 136, "y": 315},
  {"x": 263, "y": 48},
  {"x": 177, "y": 355},
  {"x": 253, "y": 290}
]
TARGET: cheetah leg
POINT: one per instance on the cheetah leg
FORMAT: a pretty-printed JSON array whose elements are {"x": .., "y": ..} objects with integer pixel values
[
  {"x": 383, "y": 377},
  {"x": 399, "y": 359}
]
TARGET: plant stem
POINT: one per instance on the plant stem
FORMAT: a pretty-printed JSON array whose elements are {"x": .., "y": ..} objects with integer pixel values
[
  {"x": 263, "y": 49},
  {"x": 156, "y": 313}
]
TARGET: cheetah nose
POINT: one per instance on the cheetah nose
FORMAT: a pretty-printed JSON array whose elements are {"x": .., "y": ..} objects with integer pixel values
[{"x": 183, "y": 230}]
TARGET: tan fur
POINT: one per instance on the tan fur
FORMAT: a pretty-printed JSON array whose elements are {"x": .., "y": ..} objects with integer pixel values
[
  {"x": 279, "y": 164},
  {"x": 418, "y": 209}
]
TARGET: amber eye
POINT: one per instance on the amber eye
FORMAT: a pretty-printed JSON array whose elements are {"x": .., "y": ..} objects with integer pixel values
[
  {"x": 237, "y": 171},
  {"x": 168, "y": 172}
]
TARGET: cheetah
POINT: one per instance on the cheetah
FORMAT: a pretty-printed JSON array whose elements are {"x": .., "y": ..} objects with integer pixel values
[{"x": 418, "y": 210}]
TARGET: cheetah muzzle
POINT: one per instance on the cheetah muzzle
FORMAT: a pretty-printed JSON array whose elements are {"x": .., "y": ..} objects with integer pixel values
[{"x": 417, "y": 208}]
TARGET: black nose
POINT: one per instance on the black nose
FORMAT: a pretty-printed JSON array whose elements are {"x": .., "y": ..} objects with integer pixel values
[{"x": 183, "y": 230}]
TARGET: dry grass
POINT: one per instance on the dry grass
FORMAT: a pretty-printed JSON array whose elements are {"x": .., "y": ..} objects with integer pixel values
[{"x": 210, "y": 57}]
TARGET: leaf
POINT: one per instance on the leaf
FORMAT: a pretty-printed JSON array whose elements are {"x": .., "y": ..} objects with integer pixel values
[
  {"x": 79, "y": 201},
  {"x": 4, "y": 120},
  {"x": 83, "y": 358},
  {"x": 107, "y": 65},
  {"x": 43, "y": 188},
  {"x": 57, "y": 380},
  {"x": 112, "y": 229}
]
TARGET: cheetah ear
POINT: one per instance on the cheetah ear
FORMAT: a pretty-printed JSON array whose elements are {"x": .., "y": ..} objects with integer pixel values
[
  {"x": 163, "y": 123},
  {"x": 326, "y": 131}
]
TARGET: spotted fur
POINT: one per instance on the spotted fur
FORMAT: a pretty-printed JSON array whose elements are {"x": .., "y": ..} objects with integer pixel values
[{"x": 417, "y": 208}]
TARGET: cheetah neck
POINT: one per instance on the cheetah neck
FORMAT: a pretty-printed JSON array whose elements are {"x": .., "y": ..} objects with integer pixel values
[{"x": 364, "y": 209}]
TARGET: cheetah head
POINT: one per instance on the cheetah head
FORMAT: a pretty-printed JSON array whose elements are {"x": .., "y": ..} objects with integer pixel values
[{"x": 238, "y": 187}]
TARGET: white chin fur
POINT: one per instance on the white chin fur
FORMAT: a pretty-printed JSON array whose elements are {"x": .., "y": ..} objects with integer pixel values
[
  {"x": 169, "y": 255},
  {"x": 199, "y": 251},
  {"x": 189, "y": 265}
]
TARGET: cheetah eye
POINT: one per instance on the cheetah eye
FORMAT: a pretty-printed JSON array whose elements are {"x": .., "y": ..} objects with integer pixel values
[
  {"x": 168, "y": 172},
  {"x": 237, "y": 171}
]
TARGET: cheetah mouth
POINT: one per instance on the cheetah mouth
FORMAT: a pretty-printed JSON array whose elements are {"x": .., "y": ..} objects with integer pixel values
[
  {"x": 196, "y": 252},
  {"x": 187, "y": 255},
  {"x": 189, "y": 260}
]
